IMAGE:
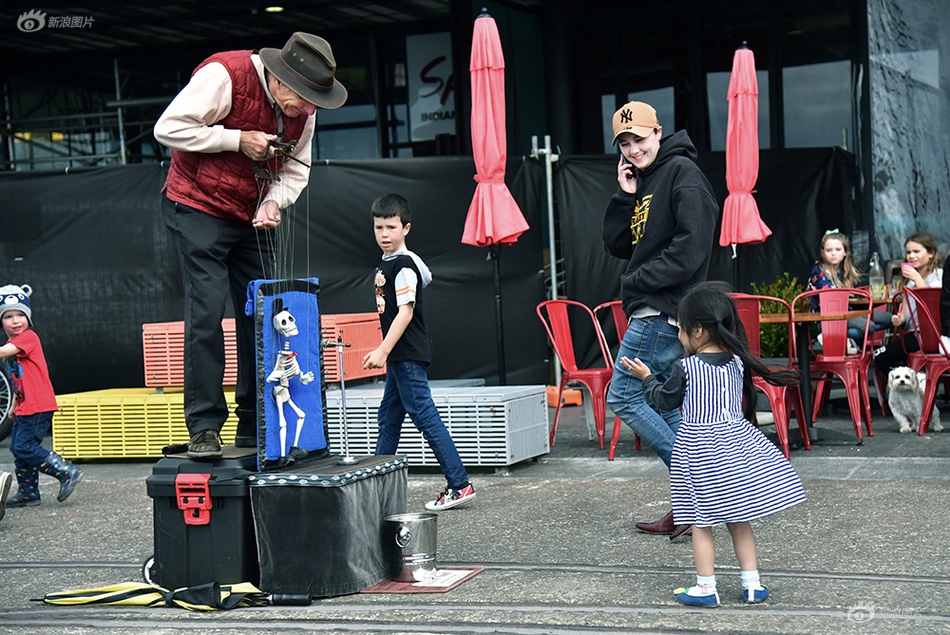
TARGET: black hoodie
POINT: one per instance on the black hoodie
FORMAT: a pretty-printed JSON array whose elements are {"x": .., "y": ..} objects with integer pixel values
[{"x": 665, "y": 230}]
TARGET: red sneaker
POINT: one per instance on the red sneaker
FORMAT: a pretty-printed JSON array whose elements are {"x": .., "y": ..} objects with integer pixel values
[{"x": 450, "y": 498}]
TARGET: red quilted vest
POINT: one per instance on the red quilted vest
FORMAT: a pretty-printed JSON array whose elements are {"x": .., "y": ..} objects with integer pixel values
[{"x": 222, "y": 184}]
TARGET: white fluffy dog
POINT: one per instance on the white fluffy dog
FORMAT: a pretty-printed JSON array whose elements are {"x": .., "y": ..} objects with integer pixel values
[{"x": 906, "y": 399}]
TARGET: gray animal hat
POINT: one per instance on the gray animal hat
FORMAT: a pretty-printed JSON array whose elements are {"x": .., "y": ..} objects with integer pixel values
[{"x": 16, "y": 298}]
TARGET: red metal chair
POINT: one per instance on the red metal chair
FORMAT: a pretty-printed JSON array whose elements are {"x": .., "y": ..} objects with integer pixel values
[
  {"x": 619, "y": 319},
  {"x": 782, "y": 399},
  {"x": 555, "y": 315},
  {"x": 876, "y": 339},
  {"x": 834, "y": 359},
  {"x": 934, "y": 355}
]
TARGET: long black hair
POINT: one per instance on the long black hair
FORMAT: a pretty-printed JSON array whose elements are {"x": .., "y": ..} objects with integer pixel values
[{"x": 708, "y": 305}]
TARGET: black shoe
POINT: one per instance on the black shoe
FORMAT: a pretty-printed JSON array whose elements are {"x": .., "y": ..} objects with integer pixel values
[
  {"x": 298, "y": 454},
  {"x": 205, "y": 444}
]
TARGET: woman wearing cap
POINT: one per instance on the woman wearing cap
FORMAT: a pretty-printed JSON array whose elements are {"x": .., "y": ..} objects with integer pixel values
[
  {"x": 662, "y": 221},
  {"x": 222, "y": 128}
]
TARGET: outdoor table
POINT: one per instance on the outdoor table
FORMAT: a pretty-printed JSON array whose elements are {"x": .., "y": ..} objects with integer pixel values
[
  {"x": 802, "y": 320},
  {"x": 884, "y": 303}
]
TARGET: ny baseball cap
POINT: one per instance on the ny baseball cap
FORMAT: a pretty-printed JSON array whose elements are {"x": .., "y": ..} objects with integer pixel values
[{"x": 636, "y": 118}]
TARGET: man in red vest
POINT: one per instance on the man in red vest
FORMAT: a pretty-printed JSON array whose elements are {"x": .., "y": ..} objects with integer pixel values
[{"x": 240, "y": 133}]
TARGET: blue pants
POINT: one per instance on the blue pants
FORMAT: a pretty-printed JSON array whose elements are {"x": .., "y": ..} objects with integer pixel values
[
  {"x": 26, "y": 440},
  {"x": 654, "y": 340},
  {"x": 407, "y": 392}
]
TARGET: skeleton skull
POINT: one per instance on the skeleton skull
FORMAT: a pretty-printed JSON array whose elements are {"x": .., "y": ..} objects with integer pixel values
[{"x": 284, "y": 323}]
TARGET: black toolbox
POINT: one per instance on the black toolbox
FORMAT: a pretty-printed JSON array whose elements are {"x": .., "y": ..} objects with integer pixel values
[{"x": 203, "y": 529}]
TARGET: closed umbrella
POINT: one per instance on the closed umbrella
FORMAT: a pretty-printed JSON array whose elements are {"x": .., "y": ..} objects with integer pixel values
[
  {"x": 741, "y": 224},
  {"x": 206, "y": 597},
  {"x": 494, "y": 218}
]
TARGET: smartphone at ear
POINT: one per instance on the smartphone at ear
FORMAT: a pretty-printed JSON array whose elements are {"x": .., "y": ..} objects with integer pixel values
[{"x": 633, "y": 172}]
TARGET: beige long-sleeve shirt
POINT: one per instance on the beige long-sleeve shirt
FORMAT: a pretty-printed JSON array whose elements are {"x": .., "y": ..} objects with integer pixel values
[{"x": 189, "y": 124}]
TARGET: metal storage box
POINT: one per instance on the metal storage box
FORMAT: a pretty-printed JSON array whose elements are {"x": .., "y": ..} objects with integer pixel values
[{"x": 491, "y": 425}]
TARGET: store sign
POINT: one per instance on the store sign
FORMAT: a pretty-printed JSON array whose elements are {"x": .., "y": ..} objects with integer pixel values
[{"x": 431, "y": 85}]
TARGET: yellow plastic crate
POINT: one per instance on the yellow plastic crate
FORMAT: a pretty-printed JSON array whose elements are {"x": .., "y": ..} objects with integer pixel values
[{"x": 124, "y": 423}]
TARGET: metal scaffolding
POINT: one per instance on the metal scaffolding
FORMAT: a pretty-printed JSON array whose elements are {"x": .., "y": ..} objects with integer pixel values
[{"x": 85, "y": 128}]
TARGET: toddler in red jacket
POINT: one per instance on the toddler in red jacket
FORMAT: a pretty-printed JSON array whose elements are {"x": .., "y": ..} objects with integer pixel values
[{"x": 34, "y": 403}]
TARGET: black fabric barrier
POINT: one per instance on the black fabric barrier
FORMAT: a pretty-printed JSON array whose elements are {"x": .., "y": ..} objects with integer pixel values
[
  {"x": 460, "y": 305},
  {"x": 92, "y": 245}
]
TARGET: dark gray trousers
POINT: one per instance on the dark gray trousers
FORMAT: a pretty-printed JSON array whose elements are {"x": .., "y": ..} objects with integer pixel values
[{"x": 216, "y": 257}]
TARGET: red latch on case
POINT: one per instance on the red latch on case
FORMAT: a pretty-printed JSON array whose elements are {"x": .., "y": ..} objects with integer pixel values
[{"x": 194, "y": 499}]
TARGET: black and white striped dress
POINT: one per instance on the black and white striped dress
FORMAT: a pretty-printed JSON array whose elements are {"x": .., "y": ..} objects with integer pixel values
[{"x": 723, "y": 469}]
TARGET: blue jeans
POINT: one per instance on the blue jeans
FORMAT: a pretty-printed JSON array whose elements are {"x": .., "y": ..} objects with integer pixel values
[
  {"x": 26, "y": 439},
  {"x": 654, "y": 340},
  {"x": 407, "y": 392}
]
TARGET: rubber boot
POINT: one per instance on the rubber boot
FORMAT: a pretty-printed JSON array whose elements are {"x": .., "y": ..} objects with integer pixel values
[
  {"x": 27, "y": 494},
  {"x": 65, "y": 472},
  {"x": 246, "y": 436}
]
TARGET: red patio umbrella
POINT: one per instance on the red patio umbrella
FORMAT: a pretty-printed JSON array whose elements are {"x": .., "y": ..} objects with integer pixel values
[
  {"x": 494, "y": 218},
  {"x": 741, "y": 224}
]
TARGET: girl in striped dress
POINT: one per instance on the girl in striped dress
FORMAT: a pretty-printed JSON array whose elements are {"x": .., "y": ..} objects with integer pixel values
[{"x": 723, "y": 469}]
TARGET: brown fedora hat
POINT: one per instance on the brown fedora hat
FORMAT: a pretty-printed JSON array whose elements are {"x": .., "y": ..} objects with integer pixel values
[{"x": 306, "y": 66}]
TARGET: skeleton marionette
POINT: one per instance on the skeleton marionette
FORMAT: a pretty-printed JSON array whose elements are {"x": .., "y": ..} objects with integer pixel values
[{"x": 285, "y": 369}]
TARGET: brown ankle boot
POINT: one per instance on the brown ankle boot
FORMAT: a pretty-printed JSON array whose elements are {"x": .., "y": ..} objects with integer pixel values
[
  {"x": 664, "y": 526},
  {"x": 679, "y": 530}
]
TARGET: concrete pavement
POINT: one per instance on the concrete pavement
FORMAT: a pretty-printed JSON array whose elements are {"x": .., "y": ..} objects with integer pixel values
[{"x": 867, "y": 553}]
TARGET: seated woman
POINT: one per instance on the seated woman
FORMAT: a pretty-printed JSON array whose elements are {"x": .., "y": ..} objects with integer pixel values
[
  {"x": 835, "y": 269},
  {"x": 924, "y": 268}
]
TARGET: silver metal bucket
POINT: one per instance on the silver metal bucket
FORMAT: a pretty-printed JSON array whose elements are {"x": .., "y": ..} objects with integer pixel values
[{"x": 412, "y": 542}]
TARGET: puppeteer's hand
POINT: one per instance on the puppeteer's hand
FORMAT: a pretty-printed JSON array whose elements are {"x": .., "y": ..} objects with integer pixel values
[
  {"x": 256, "y": 144},
  {"x": 636, "y": 367},
  {"x": 267, "y": 216}
]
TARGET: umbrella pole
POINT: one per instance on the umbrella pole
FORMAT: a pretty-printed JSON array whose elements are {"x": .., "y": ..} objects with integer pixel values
[
  {"x": 549, "y": 158},
  {"x": 735, "y": 269},
  {"x": 495, "y": 253}
]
